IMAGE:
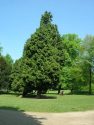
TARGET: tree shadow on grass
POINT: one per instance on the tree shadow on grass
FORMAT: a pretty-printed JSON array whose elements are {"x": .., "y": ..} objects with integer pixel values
[
  {"x": 48, "y": 97},
  {"x": 13, "y": 116},
  {"x": 41, "y": 97}
]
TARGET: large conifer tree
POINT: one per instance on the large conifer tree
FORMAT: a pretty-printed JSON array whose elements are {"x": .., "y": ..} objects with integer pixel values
[{"x": 41, "y": 55}]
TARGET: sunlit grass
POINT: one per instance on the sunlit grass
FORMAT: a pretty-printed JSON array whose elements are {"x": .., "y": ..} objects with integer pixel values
[{"x": 54, "y": 103}]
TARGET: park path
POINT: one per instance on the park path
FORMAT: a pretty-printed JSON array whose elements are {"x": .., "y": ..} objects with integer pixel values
[{"x": 8, "y": 117}]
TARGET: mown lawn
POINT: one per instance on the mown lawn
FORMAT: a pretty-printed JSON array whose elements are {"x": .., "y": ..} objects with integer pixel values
[{"x": 55, "y": 103}]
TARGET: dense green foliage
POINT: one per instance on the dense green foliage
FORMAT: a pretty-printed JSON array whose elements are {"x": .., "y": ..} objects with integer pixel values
[
  {"x": 15, "y": 76},
  {"x": 71, "y": 72},
  {"x": 41, "y": 61},
  {"x": 87, "y": 58},
  {"x": 71, "y": 48},
  {"x": 5, "y": 71}
]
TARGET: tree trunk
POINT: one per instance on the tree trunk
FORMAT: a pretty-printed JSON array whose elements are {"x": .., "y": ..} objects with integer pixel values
[
  {"x": 90, "y": 79},
  {"x": 38, "y": 94},
  {"x": 59, "y": 88},
  {"x": 24, "y": 92},
  {"x": 72, "y": 91}
]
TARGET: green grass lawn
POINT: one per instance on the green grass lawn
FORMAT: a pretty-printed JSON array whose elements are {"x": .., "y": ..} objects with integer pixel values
[{"x": 58, "y": 103}]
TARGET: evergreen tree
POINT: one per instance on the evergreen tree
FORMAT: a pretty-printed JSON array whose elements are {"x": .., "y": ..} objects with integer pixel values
[
  {"x": 41, "y": 55},
  {"x": 42, "y": 59}
]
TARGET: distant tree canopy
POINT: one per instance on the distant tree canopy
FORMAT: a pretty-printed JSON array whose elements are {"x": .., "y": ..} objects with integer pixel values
[
  {"x": 87, "y": 57},
  {"x": 70, "y": 74},
  {"x": 71, "y": 48}
]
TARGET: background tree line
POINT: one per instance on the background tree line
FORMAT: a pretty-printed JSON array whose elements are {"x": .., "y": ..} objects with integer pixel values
[{"x": 50, "y": 61}]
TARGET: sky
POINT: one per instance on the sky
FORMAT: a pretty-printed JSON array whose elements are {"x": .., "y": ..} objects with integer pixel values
[{"x": 20, "y": 18}]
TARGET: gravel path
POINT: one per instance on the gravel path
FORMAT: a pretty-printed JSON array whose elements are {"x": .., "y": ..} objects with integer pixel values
[{"x": 8, "y": 117}]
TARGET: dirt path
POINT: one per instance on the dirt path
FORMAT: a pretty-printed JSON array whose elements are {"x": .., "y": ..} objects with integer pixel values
[{"x": 29, "y": 118}]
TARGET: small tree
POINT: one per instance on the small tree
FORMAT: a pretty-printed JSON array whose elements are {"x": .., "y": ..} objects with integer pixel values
[{"x": 5, "y": 71}]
